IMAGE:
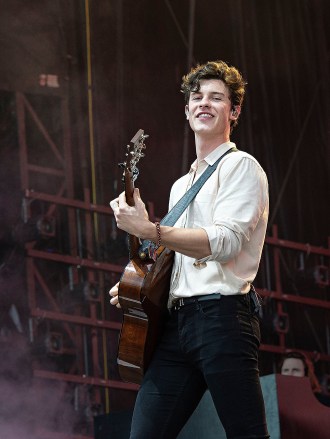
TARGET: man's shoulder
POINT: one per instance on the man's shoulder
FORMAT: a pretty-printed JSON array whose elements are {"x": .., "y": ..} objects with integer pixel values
[{"x": 241, "y": 156}]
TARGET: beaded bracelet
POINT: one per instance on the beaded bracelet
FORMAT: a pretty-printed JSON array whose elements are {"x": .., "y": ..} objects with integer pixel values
[{"x": 158, "y": 243}]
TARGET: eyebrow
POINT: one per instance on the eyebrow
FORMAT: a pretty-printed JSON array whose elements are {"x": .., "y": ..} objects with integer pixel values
[{"x": 211, "y": 92}]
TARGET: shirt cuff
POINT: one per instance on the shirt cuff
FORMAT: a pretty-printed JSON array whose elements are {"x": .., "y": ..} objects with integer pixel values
[{"x": 215, "y": 244}]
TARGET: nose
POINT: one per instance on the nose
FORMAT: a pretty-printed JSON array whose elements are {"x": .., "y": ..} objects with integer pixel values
[{"x": 204, "y": 102}]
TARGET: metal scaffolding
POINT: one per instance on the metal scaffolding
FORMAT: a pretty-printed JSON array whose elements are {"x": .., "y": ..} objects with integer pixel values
[{"x": 73, "y": 251}]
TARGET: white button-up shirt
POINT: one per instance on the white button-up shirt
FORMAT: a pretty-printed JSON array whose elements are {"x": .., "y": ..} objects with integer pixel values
[{"x": 232, "y": 207}]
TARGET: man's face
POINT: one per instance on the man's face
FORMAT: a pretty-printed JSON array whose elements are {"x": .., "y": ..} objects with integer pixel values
[
  {"x": 294, "y": 367},
  {"x": 210, "y": 109}
]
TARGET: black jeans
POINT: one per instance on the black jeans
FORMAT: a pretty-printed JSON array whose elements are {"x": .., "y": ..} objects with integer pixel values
[{"x": 209, "y": 344}]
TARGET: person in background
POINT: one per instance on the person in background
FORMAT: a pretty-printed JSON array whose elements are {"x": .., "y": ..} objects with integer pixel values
[{"x": 299, "y": 365}]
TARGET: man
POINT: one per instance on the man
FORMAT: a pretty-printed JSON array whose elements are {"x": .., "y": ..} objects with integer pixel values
[
  {"x": 212, "y": 335},
  {"x": 297, "y": 364}
]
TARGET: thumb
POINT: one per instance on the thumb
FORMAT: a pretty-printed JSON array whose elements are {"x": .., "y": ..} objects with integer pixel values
[
  {"x": 136, "y": 195},
  {"x": 139, "y": 204}
]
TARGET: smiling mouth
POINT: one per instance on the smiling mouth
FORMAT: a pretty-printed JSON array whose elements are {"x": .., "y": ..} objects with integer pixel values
[{"x": 204, "y": 116}]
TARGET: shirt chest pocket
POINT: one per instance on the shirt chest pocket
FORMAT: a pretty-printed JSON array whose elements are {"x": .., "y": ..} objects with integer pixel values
[{"x": 202, "y": 210}]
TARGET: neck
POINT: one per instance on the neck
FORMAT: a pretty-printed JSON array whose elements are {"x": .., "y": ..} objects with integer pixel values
[{"x": 205, "y": 146}]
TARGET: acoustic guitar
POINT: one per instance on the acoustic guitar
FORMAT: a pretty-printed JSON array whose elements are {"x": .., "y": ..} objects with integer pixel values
[{"x": 143, "y": 288}]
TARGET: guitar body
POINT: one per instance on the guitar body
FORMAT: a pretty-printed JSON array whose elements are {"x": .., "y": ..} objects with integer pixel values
[{"x": 143, "y": 296}]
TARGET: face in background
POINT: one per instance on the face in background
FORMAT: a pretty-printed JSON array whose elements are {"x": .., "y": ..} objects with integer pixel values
[{"x": 294, "y": 367}]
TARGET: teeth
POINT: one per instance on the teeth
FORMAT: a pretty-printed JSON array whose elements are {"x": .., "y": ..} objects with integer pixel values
[{"x": 204, "y": 115}]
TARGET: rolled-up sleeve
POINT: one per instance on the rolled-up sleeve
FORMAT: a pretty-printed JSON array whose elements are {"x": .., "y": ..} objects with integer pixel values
[{"x": 239, "y": 204}]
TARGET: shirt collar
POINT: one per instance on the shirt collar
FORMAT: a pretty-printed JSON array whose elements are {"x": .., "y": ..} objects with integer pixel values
[{"x": 214, "y": 155}]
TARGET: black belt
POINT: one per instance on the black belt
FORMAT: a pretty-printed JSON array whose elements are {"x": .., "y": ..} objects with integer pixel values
[{"x": 183, "y": 301}]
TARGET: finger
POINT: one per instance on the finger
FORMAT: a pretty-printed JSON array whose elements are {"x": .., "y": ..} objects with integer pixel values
[
  {"x": 114, "y": 295},
  {"x": 122, "y": 200},
  {"x": 140, "y": 205},
  {"x": 136, "y": 195},
  {"x": 114, "y": 204},
  {"x": 138, "y": 200},
  {"x": 114, "y": 300},
  {"x": 114, "y": 290}
]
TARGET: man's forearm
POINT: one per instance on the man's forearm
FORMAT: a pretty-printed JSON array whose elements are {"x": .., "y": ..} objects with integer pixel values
[
  {"x": 190, "y": 242},
  {"x": 134, "y": 220}
]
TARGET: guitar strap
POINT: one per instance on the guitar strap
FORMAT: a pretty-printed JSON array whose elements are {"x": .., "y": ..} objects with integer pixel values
[{"x": 149, "y": 247}]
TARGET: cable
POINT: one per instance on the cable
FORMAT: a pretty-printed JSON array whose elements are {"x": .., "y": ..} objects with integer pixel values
[{"x": 93, "y": 178}]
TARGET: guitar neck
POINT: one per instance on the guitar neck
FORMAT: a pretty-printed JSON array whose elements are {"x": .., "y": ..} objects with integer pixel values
[
  {"x": 133, "y": 241},
  {"x": 133, "y": 155}
]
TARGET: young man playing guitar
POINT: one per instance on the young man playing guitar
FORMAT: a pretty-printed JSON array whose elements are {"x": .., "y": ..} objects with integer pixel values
[{"x": 211, "y": 337}]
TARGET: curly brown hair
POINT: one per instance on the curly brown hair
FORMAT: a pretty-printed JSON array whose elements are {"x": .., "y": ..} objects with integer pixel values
[{"x": 215, "y": 70}]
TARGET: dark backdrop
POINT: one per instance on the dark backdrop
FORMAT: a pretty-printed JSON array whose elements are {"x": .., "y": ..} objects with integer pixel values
[{"x": 138, "y": 54}]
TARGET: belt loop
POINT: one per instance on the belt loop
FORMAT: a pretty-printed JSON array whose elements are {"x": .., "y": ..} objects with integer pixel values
[{"x": 256, "y": 300}]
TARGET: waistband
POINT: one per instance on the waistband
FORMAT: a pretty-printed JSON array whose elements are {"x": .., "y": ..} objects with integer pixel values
[{"x": 183, "y": 301}]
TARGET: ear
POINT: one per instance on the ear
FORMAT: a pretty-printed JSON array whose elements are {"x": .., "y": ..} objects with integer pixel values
[
  {"x": 186, "y": 109},
  {"x": 235, "y": 112}
]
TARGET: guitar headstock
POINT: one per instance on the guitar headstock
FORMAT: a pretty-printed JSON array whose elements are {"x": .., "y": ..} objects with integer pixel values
[{"x": 133, "y": 154}]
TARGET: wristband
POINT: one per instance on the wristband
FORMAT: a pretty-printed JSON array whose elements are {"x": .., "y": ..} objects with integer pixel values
[{"x": 158, "y": 242}]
